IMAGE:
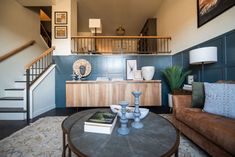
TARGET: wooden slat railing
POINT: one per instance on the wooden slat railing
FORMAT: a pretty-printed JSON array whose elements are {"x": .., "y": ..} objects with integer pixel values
[
  {"x": 37, "y": 66},
  {"x": 17, "y": 50},
  {"x": 121, "y": 44},
  {"x": 34, "y": 70}
]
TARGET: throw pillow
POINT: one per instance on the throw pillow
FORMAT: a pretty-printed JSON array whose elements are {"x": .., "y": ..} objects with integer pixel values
[
  {"x": 198, "y": 95},
  {"x": 220, "y": 99}
]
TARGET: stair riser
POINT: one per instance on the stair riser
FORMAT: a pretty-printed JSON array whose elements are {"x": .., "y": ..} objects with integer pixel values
[
  {"x": 20, "y": 85},
  {"x": 11, "y": 103},
  {"x": 14, "y": 93},
  {"x": 12, "y": 116}
]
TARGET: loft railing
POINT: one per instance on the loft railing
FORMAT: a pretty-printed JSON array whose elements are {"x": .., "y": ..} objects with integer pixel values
[
  {"x": 17, "y": 50},
  {"x": 34, "y": 70},
  {"x": 120, "y": 44}
]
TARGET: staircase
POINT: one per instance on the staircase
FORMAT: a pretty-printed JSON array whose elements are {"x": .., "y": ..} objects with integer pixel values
[
  {"x": 13, "y": 104},
  {"x": 16, "y": 103}
]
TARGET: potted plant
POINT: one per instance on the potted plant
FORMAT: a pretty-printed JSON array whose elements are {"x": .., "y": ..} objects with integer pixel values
[{"x": 175, "y": 76}]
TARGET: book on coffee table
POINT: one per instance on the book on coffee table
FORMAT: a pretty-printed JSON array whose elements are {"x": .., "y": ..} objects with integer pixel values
[{"x": 101, "y": 122}]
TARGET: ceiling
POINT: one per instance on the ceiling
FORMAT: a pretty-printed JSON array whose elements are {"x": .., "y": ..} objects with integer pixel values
[{"x": 131, "y": 14}]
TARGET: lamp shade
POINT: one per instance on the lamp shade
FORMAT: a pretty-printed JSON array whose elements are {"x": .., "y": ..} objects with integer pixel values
[
  {"x": 95, "y": 25},
  {"x": 203, "y": 55}
]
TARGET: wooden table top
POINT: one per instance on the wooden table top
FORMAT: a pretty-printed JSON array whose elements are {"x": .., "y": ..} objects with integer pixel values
[{"x": 158, "y": 137}]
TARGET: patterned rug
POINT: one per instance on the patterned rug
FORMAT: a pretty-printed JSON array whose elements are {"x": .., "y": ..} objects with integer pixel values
[{"x": 43, "y": 138}]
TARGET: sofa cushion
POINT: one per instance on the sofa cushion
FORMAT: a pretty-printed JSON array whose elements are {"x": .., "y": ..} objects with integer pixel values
[
  {"x": 198, "y": 95},
  {"x": 220, "y": 99},
  {"x": 220, "y": 130}
]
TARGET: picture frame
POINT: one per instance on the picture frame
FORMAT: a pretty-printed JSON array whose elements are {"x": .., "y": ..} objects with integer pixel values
[
  {"x": 131, "y": 67},
  {"x": 138, "y": 75},
  {"x": 208, "y": 10},
  {"x": 61, "y": 32},
  {"x": 61, "y": 17}
]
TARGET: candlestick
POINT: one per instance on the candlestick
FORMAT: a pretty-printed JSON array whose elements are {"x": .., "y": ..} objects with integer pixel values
[
  {"x": 137, "y": 124},
  {"x": 123, "y": 130}
]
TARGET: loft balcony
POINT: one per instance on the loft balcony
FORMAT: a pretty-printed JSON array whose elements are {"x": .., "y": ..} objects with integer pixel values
[{"x": 120, "y": 44}]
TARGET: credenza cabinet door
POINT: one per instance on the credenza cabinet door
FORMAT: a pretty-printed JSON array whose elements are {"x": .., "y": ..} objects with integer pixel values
[{"x": 101, "y": 94}]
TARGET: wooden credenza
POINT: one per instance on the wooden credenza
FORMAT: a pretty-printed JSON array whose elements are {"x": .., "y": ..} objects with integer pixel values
[{"x": 105, "y": 93}]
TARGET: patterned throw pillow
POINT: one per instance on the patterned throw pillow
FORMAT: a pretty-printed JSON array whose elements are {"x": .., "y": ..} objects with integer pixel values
[
  {"x": 198, "y": 95},
  {"x": 220, "y": 99}
]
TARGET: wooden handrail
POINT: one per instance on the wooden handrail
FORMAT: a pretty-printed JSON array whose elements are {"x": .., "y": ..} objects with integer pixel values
[
  {"x": 17, "y": 50},
  {"x": 124, "y": 37},
  {"x": 50, "y": 50}
]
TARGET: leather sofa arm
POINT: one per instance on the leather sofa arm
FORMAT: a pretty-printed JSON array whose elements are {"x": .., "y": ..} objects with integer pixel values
[{"x": 181, "y": 101}]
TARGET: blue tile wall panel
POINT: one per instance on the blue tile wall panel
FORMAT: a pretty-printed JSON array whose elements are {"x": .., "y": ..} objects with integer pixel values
[
  {"x": 177, "y": 59},
  {"x": 110, "y": 66},
  {"x": 221, "y": 70},
  {"x": 230, "y": 49},
  {"x": 115, "y": 65}
]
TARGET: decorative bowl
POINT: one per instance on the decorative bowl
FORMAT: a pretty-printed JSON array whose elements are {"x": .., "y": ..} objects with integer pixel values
[
  {"x": 148, "y": 72},
  {"x": 129, "y": 111}
]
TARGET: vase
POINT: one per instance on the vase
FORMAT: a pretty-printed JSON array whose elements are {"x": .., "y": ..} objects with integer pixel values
[{"x": 148, "y": 72}]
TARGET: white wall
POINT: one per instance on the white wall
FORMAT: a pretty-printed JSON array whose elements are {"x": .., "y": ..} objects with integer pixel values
[
  {"x": 18, "y": 25},
  {"x": 42, "y": 93},
  {"x": 74, "y": 17},
  {"x": 63, "y": 46},
  {"x": 178, "y": 19}
]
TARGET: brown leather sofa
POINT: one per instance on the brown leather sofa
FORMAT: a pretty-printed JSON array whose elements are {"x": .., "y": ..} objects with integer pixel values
[{"x": 215, "y": 134}]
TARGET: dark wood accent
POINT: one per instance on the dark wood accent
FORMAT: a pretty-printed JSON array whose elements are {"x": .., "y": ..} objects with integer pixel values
[
  {"x": 149, "y": 29},
  {"x": 172, "y": 150},
  {"x": 13, "y": 89},
  {"x": 12, "y": 98},
  {"x": 12, "y": 110},
  {"x": 17, "y": 50}
]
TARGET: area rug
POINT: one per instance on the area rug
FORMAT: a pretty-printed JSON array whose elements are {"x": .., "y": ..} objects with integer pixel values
[{"x": 43, "y": 138}]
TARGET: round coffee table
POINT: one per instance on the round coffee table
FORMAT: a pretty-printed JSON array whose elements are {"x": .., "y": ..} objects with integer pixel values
[{"x": 158, "y": 137}]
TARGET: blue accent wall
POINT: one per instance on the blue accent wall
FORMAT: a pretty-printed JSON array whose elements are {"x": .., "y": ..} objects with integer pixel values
[
  {"x": 109, "y": 66},
  {"x": 115, "y": 65},
  {"x": 223, "y": 69}
]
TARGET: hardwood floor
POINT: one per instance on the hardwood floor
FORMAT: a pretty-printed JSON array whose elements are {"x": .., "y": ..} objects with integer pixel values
[{"x": 8, "y": 127}]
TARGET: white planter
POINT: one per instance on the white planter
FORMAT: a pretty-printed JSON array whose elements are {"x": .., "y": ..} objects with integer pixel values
[
  {"x": 170, "y": 101},
  {"x": 148, "y": 72}
]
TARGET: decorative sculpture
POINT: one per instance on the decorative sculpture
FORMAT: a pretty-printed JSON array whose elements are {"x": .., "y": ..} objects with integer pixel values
[
  {"x": 137, "y": 124},
  {"x": 81, "y": 68},
  {"x": 123, "y": 130}
]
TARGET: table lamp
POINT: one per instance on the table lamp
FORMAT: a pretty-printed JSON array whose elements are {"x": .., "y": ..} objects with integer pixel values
[
  {"x": 205, "y": 55},
  {"x": 95, "y": 27}
]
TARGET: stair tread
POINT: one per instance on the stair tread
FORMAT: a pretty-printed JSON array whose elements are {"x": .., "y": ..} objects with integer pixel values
[
  {"x": 11, "y": 98},
  {"x": 5, "y": 109},
  {"x": 14, "y": 89},
  {"x": 20, "y": 81},
  {"x": 32, "y": 74}
]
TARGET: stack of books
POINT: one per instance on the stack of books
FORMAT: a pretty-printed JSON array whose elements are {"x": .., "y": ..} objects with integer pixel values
[
  {"x": 187, "y": 87},
  {"x": 101, "y": 122}
]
